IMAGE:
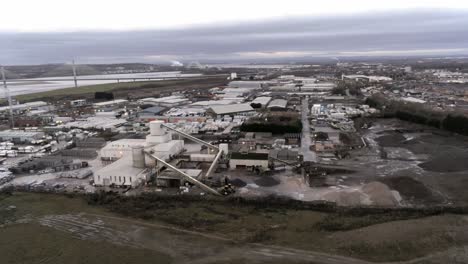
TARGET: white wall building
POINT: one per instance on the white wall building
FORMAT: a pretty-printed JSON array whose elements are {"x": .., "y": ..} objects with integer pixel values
[{"x": 130, "y": 167}]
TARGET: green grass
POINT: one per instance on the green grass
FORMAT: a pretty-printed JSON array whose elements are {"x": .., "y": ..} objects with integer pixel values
[
  {"x": 108, "y": 87},
  {"x": 84, "y": 90},
  {"x": 362, "y": 235},
  {"x": 32, "y": 243},
  {"x": 377, "y": 238}
]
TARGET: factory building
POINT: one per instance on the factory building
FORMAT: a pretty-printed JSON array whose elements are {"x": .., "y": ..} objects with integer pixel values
[
  {"x": 102, "y": 121},
  {"x": 357, "y": 77},
  {"x": 278, "y": 105},
  {"x": 321, "y": 86},
  {"x": 168, "y": 101},
  {"x": 130, "y": 165},
  {"x": 231, "y": 110},
  {"x": 246, "y": 84},
  {"x": 305, "y": 80},
  {"x": 316, "y": 110},
  {"x": 119, "y": 148},
  {"x": 150, "y": 114},
  {"x": 210, "y": 103},
  {"x": 20, "y": 136},
  {"x": 78, "y": 103},
  {"x": 262, "y": 100},
  {"x": 248, "y": 160},
  {"x": 31, "y": 106},
  {"x": 121, "y": 173},
  {"x": 107, "y": 104}
]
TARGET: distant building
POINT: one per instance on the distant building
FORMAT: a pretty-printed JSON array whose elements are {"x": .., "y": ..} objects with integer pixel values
[
  {"x": 20, "y": 136},
  {"x": 168, "y": 101},
  {"x": 413, "y": 100},
  {"x": 248, "y": 160},
  {"x": 357, "y": 77},
  {"x": 231, "y": 110},
  {"x": 278, "y": 105},
  {"x": 78, "y": 103},
  {"x": 31, "y": 106},
  {"x": 119, "y": 148},
  {"x": 121, "y": 173},
  {"x": 262, "y": 100},
  {"x": 110, "y": 104},
  {"x": 320, "y": 86},
  {"x": 150, "y": 114}
]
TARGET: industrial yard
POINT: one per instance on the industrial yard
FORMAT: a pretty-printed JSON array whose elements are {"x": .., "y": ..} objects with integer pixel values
[
  {"x": 286, "y": 164},
  {"x": 254, "y": 136},
  {"x": 245, "y": 132}
]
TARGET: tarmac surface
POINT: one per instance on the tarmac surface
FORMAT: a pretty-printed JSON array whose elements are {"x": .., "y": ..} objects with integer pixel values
[{"x": 306, "y": 141}]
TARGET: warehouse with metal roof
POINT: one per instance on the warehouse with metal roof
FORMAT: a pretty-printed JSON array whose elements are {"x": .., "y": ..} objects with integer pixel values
[
  {"x": 263, "y": 100},
  {"x": 233, "y": 109},
  {"x": 278, "y": 105}
]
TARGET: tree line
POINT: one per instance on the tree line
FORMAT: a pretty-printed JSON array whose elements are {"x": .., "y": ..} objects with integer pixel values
[
  {"x": 419, "y": 114},
  {"x": 274, "y": 128}
]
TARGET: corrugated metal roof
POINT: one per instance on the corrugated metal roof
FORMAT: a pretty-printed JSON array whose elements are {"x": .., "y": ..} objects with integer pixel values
[
  {"x": 152, "y": 110},
  {"x": 118, "y": 101},
  {"x": 262, "y": 100},
  {"x": 233, "y": 108},
  {"x": 278, "y": 103}
]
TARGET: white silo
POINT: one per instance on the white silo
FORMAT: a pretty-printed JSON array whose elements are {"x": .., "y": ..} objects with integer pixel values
[
  {"x": 138, "y": 156},
  {"x": 158, "y": 134},
  {"x": 156, "y": 129}
]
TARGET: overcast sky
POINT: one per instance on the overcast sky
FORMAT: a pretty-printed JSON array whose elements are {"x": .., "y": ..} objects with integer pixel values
[{"x": 53, "y": 31}]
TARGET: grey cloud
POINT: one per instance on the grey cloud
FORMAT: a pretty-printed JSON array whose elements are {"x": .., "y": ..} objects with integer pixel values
[{"x": 330, "y": 36}]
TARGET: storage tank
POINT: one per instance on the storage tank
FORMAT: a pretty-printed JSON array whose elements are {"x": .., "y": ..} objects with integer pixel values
[
  {"x": 224, "y": 147},
  {"x": 156, "y": 129},
  {"x": 138, "y": 156}
]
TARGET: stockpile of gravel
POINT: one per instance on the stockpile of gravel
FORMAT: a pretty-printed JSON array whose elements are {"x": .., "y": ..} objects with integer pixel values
[
  {"x": 267, "y": 181},
  {"x": 379, "y": 194}
]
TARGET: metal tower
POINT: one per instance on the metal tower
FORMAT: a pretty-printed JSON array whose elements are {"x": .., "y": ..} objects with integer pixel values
[{"x": 7, "y": 95}]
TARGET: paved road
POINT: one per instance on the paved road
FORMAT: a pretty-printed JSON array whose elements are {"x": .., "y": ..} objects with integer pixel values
[{"x": 306, "y": 141}]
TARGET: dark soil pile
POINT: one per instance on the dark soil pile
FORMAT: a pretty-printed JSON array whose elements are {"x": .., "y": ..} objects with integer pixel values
[
  {"x": 447, "y": 162},
  {"x": 411, "y": 189},
  {"x": 267, "y": 181},
  {"x": 238, "y": 183},
  {"x": 391, "y": 139}
]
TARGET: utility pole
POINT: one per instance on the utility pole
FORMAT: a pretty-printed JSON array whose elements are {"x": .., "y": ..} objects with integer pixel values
[
  {"x": 7, "y": 95},
  {"x": 74, "y": 74}
]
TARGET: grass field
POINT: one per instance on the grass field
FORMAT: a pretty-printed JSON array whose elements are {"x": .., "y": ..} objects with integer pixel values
[
  {"x": 33, "y": 243},
  {"x": 130, "y": 87},
  {"x": 29, "y": 242},
  {"x": 374, "y": 238},
  {"x": 370, "y": 238}
]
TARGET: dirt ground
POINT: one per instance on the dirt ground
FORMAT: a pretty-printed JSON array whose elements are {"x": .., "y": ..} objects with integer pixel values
[
  {"x": 425, "y": 165},
  {"x": 127, "y": 89},
  {"x": 44, "y": 228}
]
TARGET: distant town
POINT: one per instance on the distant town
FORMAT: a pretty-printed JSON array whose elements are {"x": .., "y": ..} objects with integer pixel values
[{"x": 304, "y": 131}]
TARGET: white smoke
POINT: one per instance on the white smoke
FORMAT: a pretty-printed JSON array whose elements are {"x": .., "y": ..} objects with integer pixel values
[{"x": 175, "y": 63}]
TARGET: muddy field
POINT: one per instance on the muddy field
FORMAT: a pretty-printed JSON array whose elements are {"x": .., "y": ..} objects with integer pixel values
[
  {"x": 46, "y": 228},
  {"x": 126, "y": 89},
  {"x": 425, "y": 165}
]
